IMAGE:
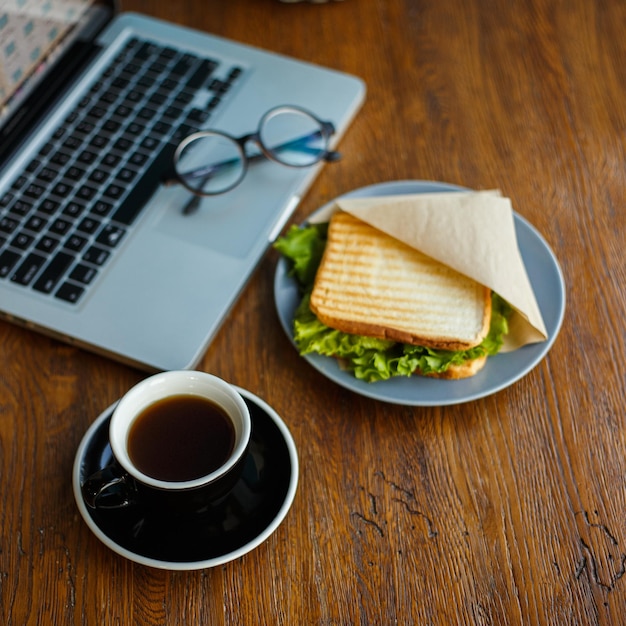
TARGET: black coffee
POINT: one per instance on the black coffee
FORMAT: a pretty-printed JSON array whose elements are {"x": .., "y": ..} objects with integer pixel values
[{"x": 181, "y": 438}]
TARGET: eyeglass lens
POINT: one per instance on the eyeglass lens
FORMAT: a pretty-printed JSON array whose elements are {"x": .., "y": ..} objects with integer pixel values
[
  {"x": 211, "y": 162},
  {"x": 293, "y": 137}
]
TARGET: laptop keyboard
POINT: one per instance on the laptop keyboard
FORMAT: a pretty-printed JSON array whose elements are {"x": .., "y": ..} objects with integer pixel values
[{"x": 63, "y": 217}]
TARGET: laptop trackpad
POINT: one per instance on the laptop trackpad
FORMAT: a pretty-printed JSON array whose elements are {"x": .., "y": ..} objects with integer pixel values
[{"x": 230, "y": 224}]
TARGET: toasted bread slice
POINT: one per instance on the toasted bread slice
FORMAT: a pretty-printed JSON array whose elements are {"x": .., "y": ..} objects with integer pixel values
[
  {"x": 369, "y": 283},
  {"x": 467, "y": 369}
]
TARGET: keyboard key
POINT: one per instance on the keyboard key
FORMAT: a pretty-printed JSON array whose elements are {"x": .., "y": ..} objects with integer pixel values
[
  {"x": 134, "y": 129},
  {"x": 111, "y": 126},
  {"x": 158, "y": 98},
  {"x": 96, "y": 112},
  {"x": 47, "y": 175},
  {"x": 197, "y": 116},
  {"x": 72, "y": 142},
  {"x": 215, "y": 100},
  {"x": 33, "y": 166},
  {"x": 87, "y": 157},
  {"x": 146, "y": 114},
  {"x": 95, "y": 88},
  {"x": 126, "y": 175},
  {"x": 83, "y": 274},
  {"x": 88, "y": 225},
  {"x": 102, "y": 208},
  {"x": 161, "y": 129},
  {"x": 18, "y": 183},
  {"x": 184, "y": 97},
  {"x": 47, "y": 244},
  {"x": 60, "y": 158},
  {"x": 99, "y": 176},
  {"x": 130, "y": 70},
  {"x": 73, "y": 209},
  {"x": 61, "y": 189},
  {"x": 20, "y": 208},
  {"x": 150, "y": 143},
  {"x": 184, "y": 65},
  {"x": 219, "y": 86},
  {"x": 85, "y": 127},
  {"x": 201, "y": 74},
  {"x": 111, "y": 160},
  {"x": 75, "y": 173},
  {"x": 134, "y": 96},
  {"x": 109, "y": 97},
  {"x": 123, "y": 144},
  {"x": 8, "y": 259},
  {"x": 99, "y": 141},
  {"x": 28, "y": 269},
  {"x": 48, "y": 207},
  {"x": 173, "y": 113},
  {"x": 113, "y": 192},
  {"x": 167, "y": 54},
  {"x": 70, "y": 292},
  {"x": 46, "y": 149},
  {"x": 75, "y": 243},
  {"x": 85, "y": 192},
  {"x": 22, "y": 241},
  {"x": 234, "y": 74},
  {"x": 60, "y": 227},
  {"x": 138, "y": 159},
  {"x": 146, "y": 50},
  {"x": 123, "y": 111},
  {"x": 54, "y": 271},
  {"x": 169, "y": 84},
  {"x": 8, "y": 225},
  {"x": 110, "y": 235},
  {"x": 34, "y": 191},
  {"x": 96, "y": 255},
  {"x": 35, "y": 223}
]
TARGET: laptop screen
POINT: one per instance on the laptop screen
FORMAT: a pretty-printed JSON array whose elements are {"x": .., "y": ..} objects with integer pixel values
[{"x": 33, "y": 33}]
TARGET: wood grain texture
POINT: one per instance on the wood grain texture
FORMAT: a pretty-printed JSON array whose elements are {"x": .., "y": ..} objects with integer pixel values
[{"x": 507, "y": 510}]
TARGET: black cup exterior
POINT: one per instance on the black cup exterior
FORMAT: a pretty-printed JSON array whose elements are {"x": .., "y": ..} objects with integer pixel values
[
  {"x": 113, "y": 488},
  {"x": 189, "y": 501}
]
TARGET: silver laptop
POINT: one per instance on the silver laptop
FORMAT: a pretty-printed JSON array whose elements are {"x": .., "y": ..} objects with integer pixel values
[{"x": 97, "y": 247}]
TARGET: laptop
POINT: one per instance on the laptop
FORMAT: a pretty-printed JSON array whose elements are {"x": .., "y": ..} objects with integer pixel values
[{"x": 94, "y": 249}]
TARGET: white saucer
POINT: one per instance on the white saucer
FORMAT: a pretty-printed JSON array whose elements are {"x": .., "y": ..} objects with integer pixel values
[{"x": 246, "y": 518}]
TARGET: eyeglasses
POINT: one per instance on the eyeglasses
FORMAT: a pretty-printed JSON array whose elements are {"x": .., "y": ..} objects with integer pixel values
[{"x": 211, "y": 162}]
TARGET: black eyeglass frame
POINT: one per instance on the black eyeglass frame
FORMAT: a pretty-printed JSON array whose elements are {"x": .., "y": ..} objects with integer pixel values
[{"x": 326, "y": 129}]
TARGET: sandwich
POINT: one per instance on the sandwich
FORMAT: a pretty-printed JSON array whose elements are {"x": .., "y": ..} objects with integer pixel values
[{"x": 385, "y": 309}]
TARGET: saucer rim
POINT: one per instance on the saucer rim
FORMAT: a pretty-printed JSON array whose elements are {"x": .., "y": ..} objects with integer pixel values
[{"x": 204, "y": 563}]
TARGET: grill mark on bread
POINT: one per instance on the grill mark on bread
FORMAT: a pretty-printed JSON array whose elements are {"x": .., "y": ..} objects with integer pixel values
[{"x": 372, "y": 284}]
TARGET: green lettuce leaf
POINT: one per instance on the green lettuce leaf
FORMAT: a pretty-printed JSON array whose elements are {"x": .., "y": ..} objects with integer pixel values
[
  {"x": 304, "y": 248},
  {"x": 368, "y": 358}
]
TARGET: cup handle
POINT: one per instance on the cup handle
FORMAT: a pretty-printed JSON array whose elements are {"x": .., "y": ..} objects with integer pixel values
[{"x": 109, "y": 488}]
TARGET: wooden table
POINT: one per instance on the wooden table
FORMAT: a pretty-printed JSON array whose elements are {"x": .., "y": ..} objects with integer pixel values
[{"x": 505, "y": 510}]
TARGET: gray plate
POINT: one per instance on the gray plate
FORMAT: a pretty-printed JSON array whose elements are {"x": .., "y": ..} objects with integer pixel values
[{"x": 500, "y": 371}]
